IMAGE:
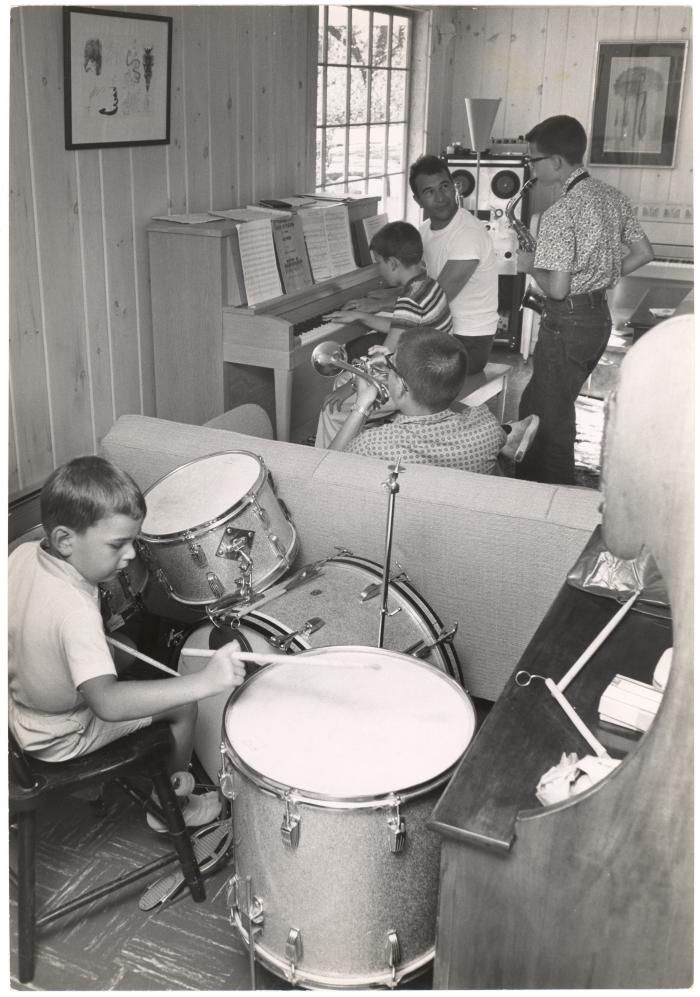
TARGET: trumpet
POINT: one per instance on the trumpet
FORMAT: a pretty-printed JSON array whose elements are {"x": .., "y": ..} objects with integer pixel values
[
  {"x": 527, "y": 242},
  {"x": 330, "y": 358}
]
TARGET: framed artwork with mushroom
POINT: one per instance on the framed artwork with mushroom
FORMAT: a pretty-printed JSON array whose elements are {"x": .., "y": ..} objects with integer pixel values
[
  {"x": 116, "y": 69},
  {"x": 636, "y": 104}
]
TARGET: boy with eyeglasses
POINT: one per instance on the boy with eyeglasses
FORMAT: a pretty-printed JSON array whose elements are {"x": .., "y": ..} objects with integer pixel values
[{"x": 587, "y": 240}]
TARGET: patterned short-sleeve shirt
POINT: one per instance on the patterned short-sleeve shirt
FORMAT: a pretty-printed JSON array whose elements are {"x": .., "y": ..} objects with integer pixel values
[
  {"x": 584, "y": 232},
  {"x": 468, "y": 441}
]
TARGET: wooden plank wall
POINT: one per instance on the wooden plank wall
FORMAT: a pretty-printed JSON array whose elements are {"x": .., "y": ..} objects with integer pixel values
[
  {"x": 541, "y": 61},
  {"x": 243, "y": 115}
]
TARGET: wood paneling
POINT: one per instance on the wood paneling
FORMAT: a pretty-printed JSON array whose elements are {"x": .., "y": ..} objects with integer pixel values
[
  {"x": 242, "y": 127},
  {"x": 81, "y": 339}
]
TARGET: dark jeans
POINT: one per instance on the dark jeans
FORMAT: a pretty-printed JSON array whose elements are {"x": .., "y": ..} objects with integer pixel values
[
  {"x": 478, "y": 349},
  {"x": 572, "y": 339}
]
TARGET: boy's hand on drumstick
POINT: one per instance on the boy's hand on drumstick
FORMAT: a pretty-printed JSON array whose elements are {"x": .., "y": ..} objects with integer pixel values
[{"x": 223, "y": 670}]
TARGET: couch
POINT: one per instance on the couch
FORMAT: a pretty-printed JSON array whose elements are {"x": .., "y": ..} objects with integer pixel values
[{"x": 488, "y": 552}]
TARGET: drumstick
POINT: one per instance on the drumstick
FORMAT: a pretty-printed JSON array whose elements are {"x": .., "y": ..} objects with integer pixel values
[
  {"x": 596, "y": 642},
  {"x": 265, "y": 658},
  {"x": 142, "y": 657}
]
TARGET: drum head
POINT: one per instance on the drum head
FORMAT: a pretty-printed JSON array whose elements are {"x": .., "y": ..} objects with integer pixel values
[
  {"x": 199, "y": 493},
  {"x": 362, "y": 722}
]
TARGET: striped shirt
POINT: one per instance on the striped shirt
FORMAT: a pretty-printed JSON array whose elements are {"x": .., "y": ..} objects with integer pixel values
[
  {"x": 468, "y": 440},
  {"x": 422, "y": 301},
  {"x": 583, "y": 233}
]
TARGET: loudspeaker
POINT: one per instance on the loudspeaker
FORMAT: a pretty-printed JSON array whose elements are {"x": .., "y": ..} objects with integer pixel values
[{"x": 500, "y": 179}]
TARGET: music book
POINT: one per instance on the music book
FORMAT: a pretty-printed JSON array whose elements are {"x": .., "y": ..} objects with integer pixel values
[
  {"x": 191, "y": 219},
  {"x": 370, "y": 227},
  {"x": 292, "y": 257},
  {"x": 328, "y": 240},
  {"x": 258, "y": 260}
]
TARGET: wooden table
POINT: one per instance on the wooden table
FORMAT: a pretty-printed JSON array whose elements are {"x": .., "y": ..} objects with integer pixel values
[{"x": 595, "y": 891}]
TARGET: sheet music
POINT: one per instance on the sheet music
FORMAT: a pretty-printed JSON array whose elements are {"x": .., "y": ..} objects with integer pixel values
[
  {"x": 240, "y": 214},
  {"x": 372, "y": 225},
  {"x": 339, "y": 241},
  {"x": 192, "y": 219},
  {"x": 317, "y": 243},
  {"x": 262, "y": 279}
]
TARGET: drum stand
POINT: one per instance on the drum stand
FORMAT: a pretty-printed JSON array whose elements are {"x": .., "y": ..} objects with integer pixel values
[{"x": 392, "y": 486}]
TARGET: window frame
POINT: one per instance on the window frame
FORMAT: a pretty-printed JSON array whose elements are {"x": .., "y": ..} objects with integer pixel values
[{"x": 322, "y": 126}]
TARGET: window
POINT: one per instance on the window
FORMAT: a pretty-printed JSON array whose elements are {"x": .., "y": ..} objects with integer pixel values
[{"x": 362, "y": 104}]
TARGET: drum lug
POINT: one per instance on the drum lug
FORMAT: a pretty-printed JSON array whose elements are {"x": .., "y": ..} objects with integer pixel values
[
  {"x": 397, "y": 830},
  {"x": 374, "y": 588},
  {"x": 226, "y": 776},
  {"x": 233, "y": 893},
  {"x": 196, "y": 551},
  {"x": 258, "y": 510},
  {"x": 290, "y": 825},
  {"x": 215, "y": 584},
  {"x": 293, "y": 949},
  {"x": 392, "y": 951}
]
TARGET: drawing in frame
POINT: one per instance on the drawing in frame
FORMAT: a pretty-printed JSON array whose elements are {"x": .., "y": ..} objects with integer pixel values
[
  {"x": 637, "y": 101},
  {"x": 116, "y": 70}
]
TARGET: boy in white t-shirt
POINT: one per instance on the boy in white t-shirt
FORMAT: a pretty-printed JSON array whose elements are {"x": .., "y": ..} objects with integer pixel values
[{"x": 64, "y": 696}]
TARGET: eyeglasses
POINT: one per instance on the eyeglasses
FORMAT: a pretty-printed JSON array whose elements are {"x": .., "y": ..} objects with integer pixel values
[
  {"x": 529, "y": 160},
  {"x": 392, "y": 366}
]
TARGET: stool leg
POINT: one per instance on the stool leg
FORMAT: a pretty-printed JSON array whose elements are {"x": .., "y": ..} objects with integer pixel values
[
  {"x": 26, "y": 897},
  {"x": 172, "y": 814}
]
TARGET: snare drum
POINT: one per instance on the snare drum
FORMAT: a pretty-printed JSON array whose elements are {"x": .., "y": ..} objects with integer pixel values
[
  {"x": 346, "y": 597},
  {"x": 215, "y": 527},
  {"x": 334, "y": 769}
]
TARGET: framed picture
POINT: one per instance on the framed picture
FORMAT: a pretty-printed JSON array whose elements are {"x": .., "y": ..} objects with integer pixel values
[
  {"x": 638, "y": 89},
  {"x": 116, "y": 70}
]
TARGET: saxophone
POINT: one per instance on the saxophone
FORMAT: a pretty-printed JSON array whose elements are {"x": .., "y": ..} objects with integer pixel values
[{"x": 527, "y": 242}]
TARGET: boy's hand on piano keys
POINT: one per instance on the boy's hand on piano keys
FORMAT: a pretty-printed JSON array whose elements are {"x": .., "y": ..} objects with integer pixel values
[
  {"x": 369, "y": 305},
  {"x": 345, "y": 317}
]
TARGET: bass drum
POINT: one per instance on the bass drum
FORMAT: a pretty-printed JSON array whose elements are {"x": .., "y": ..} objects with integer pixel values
[
  {"x": 334, "y": 769},
  {"x": 346, "y": 598}
]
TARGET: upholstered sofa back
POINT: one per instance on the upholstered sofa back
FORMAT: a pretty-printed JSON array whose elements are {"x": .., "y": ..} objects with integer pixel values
[{"x": 487, "y": 552}]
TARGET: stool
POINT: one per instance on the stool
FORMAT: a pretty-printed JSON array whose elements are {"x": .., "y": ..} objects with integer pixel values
[{"x": 491, "y": 381}]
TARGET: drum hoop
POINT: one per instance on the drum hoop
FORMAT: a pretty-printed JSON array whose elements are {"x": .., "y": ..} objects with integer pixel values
[
  {"x": 200, "y": 528},
  {"x": 370, "y": 801},
  {"x": 432, "y": 620}
]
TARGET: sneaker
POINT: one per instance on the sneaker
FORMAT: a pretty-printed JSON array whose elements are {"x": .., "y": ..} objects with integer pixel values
[
  {"x": 196, "y": 810},
  {"x": 520, "y": 438}
]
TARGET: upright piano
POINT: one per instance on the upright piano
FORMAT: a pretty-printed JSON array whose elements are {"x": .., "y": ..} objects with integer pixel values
[{"x": 202, "y": 332}]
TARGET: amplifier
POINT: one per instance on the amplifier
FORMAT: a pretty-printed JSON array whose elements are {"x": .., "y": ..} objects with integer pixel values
[{"x": 500, "y": 179}]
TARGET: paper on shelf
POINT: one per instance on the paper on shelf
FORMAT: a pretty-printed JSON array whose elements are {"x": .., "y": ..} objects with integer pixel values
[{"x": 192, "y": 219}]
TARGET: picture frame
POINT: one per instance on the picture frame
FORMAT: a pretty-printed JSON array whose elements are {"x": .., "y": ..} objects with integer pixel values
[
  {"x": 116, "y": 69},
  {"x": 636, "y": 104}
]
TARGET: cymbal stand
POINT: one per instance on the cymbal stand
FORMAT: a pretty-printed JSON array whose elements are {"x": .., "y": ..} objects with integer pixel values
[{"x": 392, "y": 486}]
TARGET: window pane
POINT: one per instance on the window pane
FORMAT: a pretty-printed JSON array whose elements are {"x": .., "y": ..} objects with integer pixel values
[
  {"x": 397, "y": 145},
  {"x": 337, "y": 34},
  {"x": 359, "y": 50},
  {"x": 378, "y": 101},
  {"x": 393, "y": 198},
  {"x": 399, "y": 42},
  {"x": 377, "y": 148},
  {"x": 335, "y": 154},
  {"x": 357, "y": 164},
  {"x": 380, "y": 40},
  {"x": 358, "y": 95},
  {"x": 336, "y": 96},
  {"x": 397, "y": 103}
]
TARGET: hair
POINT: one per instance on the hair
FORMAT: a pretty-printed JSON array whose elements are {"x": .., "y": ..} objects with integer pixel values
[
  {"x": 84, "y": 491},
  {"x": 433, "y": 364},
  {"x": 560, "y": 136},
  {"x": 398, "y": 239},
  {"x": 428, "y": 166}
]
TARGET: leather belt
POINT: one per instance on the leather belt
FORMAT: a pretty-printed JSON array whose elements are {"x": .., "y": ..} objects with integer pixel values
[{"x": 597, "y": 297}]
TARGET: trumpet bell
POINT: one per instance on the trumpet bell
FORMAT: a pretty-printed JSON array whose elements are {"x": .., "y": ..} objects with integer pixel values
[{"x": 328, "y": 358}]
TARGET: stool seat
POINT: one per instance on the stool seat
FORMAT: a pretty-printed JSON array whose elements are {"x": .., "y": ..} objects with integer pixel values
[{"x": 488, "y": 383}]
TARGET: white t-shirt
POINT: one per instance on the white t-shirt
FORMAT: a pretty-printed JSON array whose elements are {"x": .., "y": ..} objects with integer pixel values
[
  {"x": 475, "y": 308},
  {"x": 56, "y": 638}
]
